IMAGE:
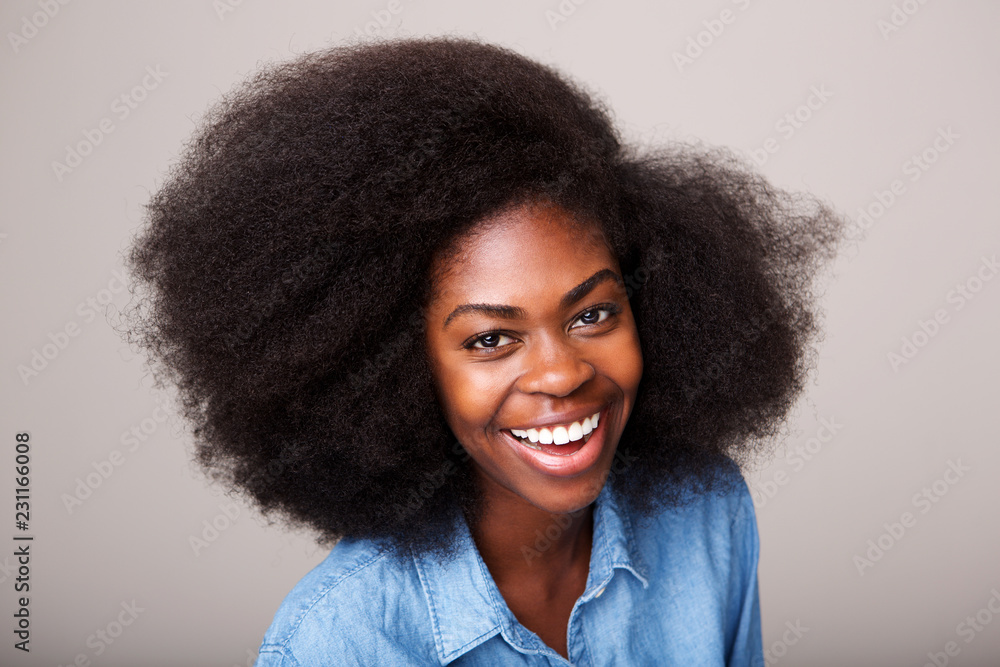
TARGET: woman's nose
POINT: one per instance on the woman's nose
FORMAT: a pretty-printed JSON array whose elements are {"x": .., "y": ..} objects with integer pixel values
[{"x": 554, "y": 366}]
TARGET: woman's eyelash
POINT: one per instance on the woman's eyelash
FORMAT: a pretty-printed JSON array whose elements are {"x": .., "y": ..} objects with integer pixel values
[{"x": 611, "y": 308}]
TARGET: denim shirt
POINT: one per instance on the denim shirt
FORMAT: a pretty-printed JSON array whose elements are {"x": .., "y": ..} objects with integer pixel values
[{"x": 679, "y": 588}]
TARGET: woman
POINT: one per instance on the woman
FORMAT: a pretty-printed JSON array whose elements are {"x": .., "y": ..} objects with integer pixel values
[{"x": 419, "y": 297}]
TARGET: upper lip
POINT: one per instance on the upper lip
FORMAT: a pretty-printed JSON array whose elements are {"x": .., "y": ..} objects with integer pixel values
[{"x": 560, "y": 418}]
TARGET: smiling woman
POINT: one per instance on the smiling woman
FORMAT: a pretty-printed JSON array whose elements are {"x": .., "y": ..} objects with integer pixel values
[
  {"x": 540, "y": 401},
  {"x": 396, "y": 286},
  {"x": 573, "y": 337}
]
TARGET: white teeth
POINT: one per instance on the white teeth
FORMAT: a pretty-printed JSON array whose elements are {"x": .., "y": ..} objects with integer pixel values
[
  {"x": 575, "y": 431},
  {"x": 559, "y": 435}
]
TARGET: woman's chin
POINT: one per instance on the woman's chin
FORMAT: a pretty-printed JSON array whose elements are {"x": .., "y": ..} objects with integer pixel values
[{"x": 574, "y": 500}]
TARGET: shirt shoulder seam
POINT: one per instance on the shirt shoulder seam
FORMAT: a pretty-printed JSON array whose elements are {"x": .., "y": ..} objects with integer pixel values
[{"x": 321, "y": 593}]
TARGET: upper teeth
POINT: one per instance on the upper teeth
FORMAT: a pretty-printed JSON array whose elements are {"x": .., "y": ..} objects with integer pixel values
[{"x": 561, "y": 434}]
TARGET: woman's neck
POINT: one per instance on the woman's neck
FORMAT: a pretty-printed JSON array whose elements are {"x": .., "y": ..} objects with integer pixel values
[{"x": 524, "y": 546}]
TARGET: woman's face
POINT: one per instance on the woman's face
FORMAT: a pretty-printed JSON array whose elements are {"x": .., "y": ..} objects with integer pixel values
[{"x": 530, "y": 333}]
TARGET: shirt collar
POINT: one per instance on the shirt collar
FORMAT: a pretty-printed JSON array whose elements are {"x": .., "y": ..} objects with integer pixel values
[
  {"x": 614, "y": 544},
  {"x": 465, "y": 606}
]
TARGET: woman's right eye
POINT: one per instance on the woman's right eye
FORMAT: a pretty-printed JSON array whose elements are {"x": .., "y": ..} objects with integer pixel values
[{"x": 491, "y": 340}]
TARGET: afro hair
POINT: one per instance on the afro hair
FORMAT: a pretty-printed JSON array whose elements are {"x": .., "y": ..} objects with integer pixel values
[{"x": 284, "y": 266}]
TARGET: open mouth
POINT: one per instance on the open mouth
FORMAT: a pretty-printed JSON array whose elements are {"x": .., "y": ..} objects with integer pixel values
[{"x": 559, "y": 440}]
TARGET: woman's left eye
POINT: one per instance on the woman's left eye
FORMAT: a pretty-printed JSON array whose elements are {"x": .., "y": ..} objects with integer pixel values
[{"x": 595, "y": 315}]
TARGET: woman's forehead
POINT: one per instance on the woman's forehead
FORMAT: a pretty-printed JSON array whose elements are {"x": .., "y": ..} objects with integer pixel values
[
  {"x": 516, "y": 225},
  {"x": 520, "y": 246}
]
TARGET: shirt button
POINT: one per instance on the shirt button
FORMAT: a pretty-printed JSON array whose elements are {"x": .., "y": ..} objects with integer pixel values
[{"x": 600, "y": 592}]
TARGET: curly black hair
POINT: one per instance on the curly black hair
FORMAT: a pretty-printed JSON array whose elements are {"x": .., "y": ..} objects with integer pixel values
[{"x": 283, "y": 270}]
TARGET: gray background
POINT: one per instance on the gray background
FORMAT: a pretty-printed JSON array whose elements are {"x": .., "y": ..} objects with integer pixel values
[{"x": 886, "y": 96}]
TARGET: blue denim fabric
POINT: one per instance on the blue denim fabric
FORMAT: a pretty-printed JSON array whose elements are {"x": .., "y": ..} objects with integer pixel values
[{"x": 679, "y": 588}]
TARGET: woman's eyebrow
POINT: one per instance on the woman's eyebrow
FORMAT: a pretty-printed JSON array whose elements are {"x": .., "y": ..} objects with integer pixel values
[{"x": 516, "y": 312}]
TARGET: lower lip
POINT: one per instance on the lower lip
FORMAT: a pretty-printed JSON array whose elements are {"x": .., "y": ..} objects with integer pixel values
[{"x": 567, "y": 465}]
